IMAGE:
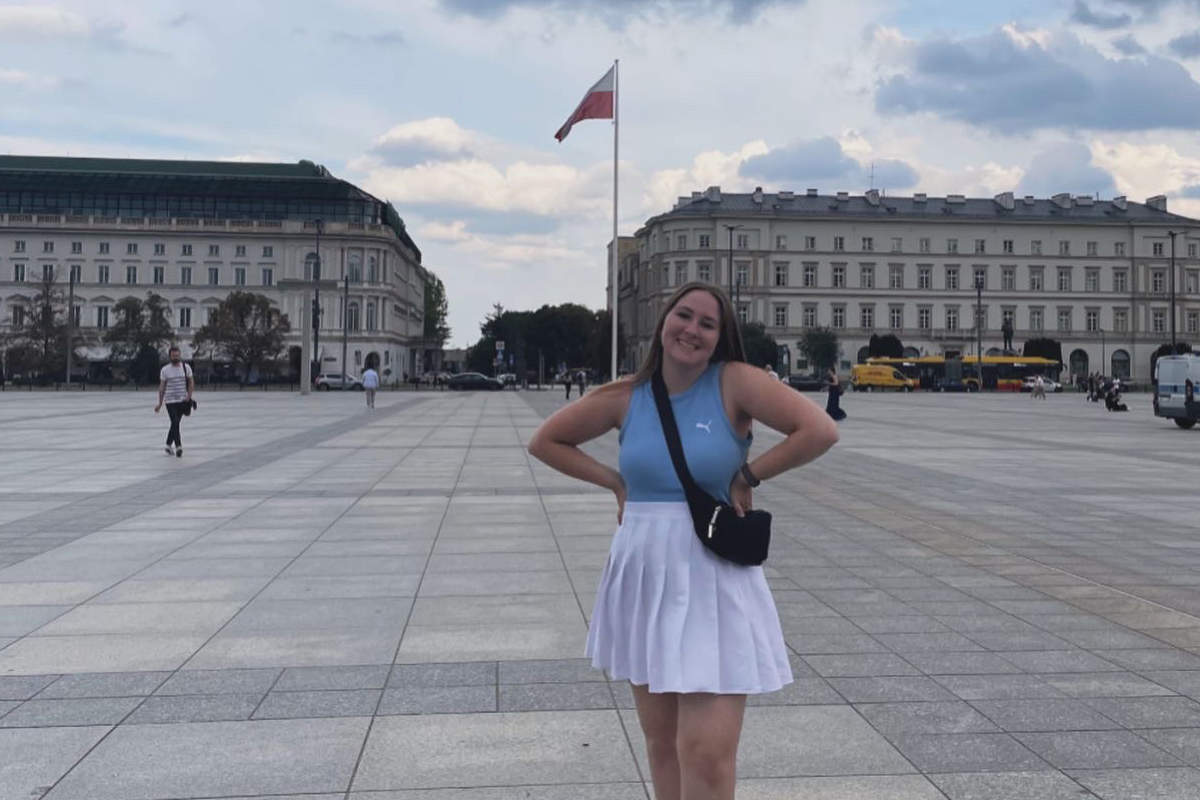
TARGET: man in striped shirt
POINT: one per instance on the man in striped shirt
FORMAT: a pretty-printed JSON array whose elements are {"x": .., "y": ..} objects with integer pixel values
[{"x": 175, "y": 386}]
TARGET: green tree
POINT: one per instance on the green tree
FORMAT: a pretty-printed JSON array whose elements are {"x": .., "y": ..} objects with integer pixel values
[
  {"x": 886, "y": 346},
  {"x": 436, "y": 309},
  {"x": 761, "y": 348},
  {"x": 821, "y": 347},
  {"x": 246, "y": 330},
  {"x": 1043, "y": 347},
  {"x": 140, "y": 335}
]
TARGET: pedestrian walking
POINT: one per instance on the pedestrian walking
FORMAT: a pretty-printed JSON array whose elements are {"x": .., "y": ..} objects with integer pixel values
[
  {"x": 175, "y": 388},
  {"x": 771, "y": 373},
  {"x": 833, "y": 403},
  {"x": 370, "y": 382},
  {"x": 692, "y": 632},
  {"x": 1039, "y": 388},
  {"x": 567, "y": 380},
  {"x": 581, "y": 381}
]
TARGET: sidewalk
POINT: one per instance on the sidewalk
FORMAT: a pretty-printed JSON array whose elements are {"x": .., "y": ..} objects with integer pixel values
[{"x": 985, "y": 599}]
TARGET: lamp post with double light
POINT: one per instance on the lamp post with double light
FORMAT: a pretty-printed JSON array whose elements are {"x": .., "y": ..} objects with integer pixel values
[
  {"x": 731, "y": 229},
  {"x": 1174, "y": 346}
]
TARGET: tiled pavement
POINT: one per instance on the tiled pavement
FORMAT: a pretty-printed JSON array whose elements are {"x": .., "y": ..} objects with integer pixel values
[{"x": 986, "y": 598}]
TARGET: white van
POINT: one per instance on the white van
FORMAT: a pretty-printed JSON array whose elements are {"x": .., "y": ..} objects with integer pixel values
[{"x": 1178, "y": 378}]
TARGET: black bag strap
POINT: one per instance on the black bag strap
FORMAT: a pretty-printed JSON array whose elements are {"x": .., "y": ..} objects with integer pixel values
[{"x": 666, "y": 415}]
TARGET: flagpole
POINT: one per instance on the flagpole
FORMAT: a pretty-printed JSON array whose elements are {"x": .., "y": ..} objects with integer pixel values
[{"x": 615, "y": 241}]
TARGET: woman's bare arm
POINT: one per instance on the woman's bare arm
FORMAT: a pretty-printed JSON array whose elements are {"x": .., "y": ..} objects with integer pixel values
[{"x": 556, "y": 442}]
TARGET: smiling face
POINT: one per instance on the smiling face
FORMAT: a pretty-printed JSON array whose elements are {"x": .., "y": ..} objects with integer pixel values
[{"x": 692, "y": 329}]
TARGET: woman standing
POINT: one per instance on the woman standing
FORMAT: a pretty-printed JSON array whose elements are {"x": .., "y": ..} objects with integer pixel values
[
  {"x": 833, "y": 404},
  {"x": 693, "y": 633}
]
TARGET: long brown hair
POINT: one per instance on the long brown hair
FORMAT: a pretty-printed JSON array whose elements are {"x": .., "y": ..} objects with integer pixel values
[{"x": 729, "y": 345}]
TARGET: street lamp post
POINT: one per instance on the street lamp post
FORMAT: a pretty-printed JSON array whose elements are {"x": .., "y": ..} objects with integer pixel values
[
  {"x": 731, "y": 229},
  {"x": 979, "y": 331},
  {"x": 316, "y": 306},
  {"x": 1173, "y": 234},
  {"x": 1103, "y": 353}
]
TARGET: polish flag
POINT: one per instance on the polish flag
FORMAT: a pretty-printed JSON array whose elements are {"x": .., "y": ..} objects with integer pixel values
[{"x": 596, "y": 104}]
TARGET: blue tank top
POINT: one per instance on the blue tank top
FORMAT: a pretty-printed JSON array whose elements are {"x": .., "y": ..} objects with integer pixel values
[{"x": 713, "y": 450}]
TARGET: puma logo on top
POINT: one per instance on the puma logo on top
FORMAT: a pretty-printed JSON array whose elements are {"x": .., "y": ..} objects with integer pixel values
[{"x": 705, "y": 425}]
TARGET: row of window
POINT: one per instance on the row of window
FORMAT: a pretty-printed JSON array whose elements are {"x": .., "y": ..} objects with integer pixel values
[
  {"x": 131, "y": 249},
  {"x": 924, "y": 245},
  {"x": 18, "y": 316},
  {"x": 950, "y": 282},
  {"x": 158, "y": 275},
  {"x": 1120, "y": 321}
]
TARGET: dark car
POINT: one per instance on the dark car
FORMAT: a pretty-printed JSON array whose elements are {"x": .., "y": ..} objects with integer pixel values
[
  {"x": 473, "y": 380},
  {"x": 806, "y": 383},
  {"x": 952, "y": 385}
]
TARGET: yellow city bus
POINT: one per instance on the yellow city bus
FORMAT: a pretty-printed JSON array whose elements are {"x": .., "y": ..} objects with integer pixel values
[{"x": 1002, "y": 373}]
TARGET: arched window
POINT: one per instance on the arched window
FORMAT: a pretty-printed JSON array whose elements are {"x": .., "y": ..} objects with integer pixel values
[
  {"x": 310, "y": 262},
  {"x": 372, "y": 269},
  {"x": 1079, "y": 363},
  {"x": 352, "y": 317},
  {"x": 354, "y": 267},
  {"x": 1120, "y": 364},
  {"x": 371, "y": 315}
]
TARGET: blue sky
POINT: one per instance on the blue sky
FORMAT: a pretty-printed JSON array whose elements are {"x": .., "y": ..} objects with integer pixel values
[{"x": 448, "y": 107}]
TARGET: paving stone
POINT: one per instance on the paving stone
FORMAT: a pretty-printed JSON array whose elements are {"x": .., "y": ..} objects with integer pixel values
[
  {"x": 228, "y": 681},
  {"x": 555, "y": 696},
  {"x": 1150, "y": 784},
  {"x": 603, "y": 791},
  {"x": 417, "y": 699},
  {"x": 1071, "y": 750},
  {"x": 966, "y": 752},
  {"x": 504, "y": 749},
  {"x": 1106, "y": 684},
  {"x": 1183, "y": 743},
  {"x": 801, "y": 691},
  {"x": 960, "y": 663},
  {"x": 104, "y": 684},
  {"x": 23, "y": 687},
  {"x": 218, "y": 759},
  {"x": 35, "y": 758},
  {"x": 854, "y": 666},
  {"x": 1149, "y": 712},
  {"x": 1154, "y": 659},
  {"x": 573, "y": 670},
  {"x": 892, "y": 719},
  {"x": 330, "y": 678},
  {"x": 294, "y": 705},
  {"x": 885, "y": 689},
  {"x": 471, "y": 673},
  {"x": 1058, "y": 661},
  {"x": 1044, "y": 714},
  {"x": 1047, "y": 785},
  {"x": 51, "y": 713},
  {"x": 998, "y": 687},
  {"x": 195, "y": 708}
]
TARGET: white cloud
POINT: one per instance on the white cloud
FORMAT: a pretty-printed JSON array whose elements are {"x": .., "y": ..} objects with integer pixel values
[
  {"x": 18, "y": 22},
  {"x": 433, "y": 139},
  {"x": 1144, "y": 170}
]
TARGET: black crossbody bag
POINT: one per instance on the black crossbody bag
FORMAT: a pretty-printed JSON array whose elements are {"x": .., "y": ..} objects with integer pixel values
[{"x": 742, "y": 540}]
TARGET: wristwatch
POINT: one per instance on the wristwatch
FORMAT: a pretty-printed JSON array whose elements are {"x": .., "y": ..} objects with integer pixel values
[{"x": 749, "y": 476}]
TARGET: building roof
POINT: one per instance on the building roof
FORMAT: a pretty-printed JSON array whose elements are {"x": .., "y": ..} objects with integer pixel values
[
  {"x": 1005, "y": 207},
  {"x": 63, "y": 179}
]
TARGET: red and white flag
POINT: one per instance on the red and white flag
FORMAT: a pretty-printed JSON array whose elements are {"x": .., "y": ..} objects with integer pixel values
[{"x": 596, "y": 104}]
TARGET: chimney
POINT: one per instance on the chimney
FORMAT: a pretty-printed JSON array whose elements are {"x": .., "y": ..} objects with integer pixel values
[
  {"x": 1084, "y": 200},
  {"x": 1062, "y": 199},
  {"x": 1005, "y": 201},
  {"x": 1120, "y": 203},
  {"x": 1028, "y": 200},
  {"x": 919, "y": 197},
  {"x": 757, "y": 197},
  {"x": 786, "y": 196},
  {"x": 872, "y": 197},
  {"x": 697, "y": 195},
  {"x": 1158, "y": 202},
  {"x": 843, "y": 197},
  {"x": 713, "y": 194},
  {"x": 811, "y": 192},
  {"x": 957, "y": 199}
]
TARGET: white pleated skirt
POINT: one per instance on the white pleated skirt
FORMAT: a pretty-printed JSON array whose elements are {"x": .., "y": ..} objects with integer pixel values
[{"x": 672, "y": 616}]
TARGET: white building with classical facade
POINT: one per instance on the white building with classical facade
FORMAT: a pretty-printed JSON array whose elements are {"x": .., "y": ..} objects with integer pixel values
[
  {"x": 1093, "y": 274},
  {"x": 194, "y": 231}
]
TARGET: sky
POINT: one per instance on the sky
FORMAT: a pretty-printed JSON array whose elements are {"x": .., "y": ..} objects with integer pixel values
[{"x": 448, "y": 108}]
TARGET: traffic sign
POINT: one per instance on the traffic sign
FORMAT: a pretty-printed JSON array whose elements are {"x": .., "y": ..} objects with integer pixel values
[{"x": 499, "y": 344}]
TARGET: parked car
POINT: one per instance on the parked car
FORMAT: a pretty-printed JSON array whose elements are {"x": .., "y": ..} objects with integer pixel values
[
  {"x": 952, "y": 385},
  {"x": 333, "y": 380},
  {"x": 869, "y": 377},
  {"x": 1050, "y": 384},
  {"x": 473, "y": 380},
  {"x": 806, "y": 383}
]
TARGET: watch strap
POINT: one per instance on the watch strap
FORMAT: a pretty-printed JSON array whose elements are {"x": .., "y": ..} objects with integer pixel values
[{"x": 751, "y": 479}]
